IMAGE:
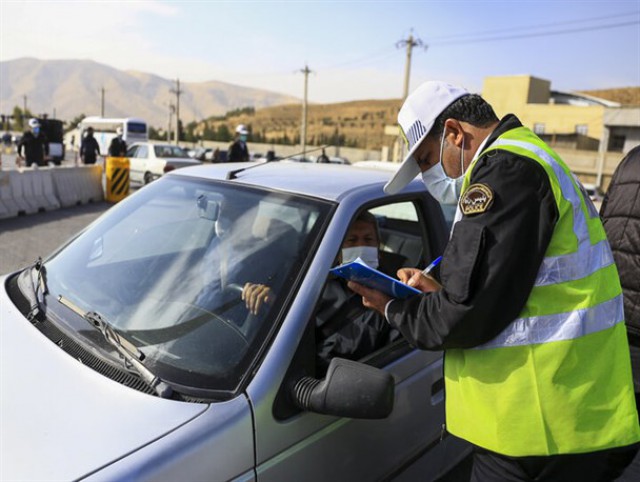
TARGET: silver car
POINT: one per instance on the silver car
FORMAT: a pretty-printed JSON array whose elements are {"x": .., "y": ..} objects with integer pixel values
[{"x": 128, "y": 354}]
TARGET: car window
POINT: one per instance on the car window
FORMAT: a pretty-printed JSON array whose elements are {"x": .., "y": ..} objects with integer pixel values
[
  {"x": 142, "y": 152},
  {"x": 169, "y": 151},
  {"x": 131, "y": 152},
  {"x": 168, "y": 266}
]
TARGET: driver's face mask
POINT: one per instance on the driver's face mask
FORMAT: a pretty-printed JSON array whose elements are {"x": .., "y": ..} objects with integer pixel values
[
  {"x": 368, "y": 254},
  {"x": 243, "y": 137},
  {"x": 443, "y": 188},
  {"x": 36, "y": 130}
]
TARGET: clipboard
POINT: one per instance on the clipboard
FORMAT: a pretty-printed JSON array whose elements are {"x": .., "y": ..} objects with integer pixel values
[{"x": 360, "y": 272}]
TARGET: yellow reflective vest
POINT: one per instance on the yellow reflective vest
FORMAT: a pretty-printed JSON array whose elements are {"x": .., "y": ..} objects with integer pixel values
[{"x": 557, "y": 380}]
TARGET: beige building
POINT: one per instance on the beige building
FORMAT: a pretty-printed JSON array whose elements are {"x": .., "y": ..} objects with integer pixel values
[{"x": 591, "y": 134}]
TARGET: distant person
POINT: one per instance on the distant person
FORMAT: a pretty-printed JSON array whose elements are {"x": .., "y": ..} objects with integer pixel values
[
  {"x": 238, "y": 151},
  {"x": 215, "y": 157},
  {"x": 35, "y": 145},
  {"x": 89, "y": 148},
  {"x": 323, "y": 158},
  {"x": 6, "y": 139},
  {"x": 118, "y": 146},
  {"x": 271, "y": 155}
]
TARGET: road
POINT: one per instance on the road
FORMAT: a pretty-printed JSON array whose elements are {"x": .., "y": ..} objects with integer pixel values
[{"x": 24, "y": 238}]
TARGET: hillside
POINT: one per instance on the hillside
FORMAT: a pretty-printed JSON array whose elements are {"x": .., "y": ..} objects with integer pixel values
[
  {"x": 627, "y": 96},
  {"x": 68, "y": 88},
  {"x": 356, "y": 123}
]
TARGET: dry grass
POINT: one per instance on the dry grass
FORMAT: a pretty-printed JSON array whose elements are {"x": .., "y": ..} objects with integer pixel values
[{"x": 357, "y": 123}]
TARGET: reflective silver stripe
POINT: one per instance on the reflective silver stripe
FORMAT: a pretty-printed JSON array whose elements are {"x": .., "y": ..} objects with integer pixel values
[
  {"x": 558, "y": 327},
  {"x": 571, "y": 267},
  {"x": 588, "y": 258}
]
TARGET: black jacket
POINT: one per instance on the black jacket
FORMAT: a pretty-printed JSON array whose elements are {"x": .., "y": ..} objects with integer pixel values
[
  {"x": 238, "y": 152},
  {"x": 35, "y": 148},
  {"x": 118, "y": 147},
  {"x": 89, "y": 150},
  {"x": 491, "y": 261},
  {"x": 620, "y": 214}
]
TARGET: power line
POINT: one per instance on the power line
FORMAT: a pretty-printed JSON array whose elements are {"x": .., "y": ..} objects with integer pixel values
[
  {"x": 538, "y": 34},
  {"x": 519, "y": 29}
]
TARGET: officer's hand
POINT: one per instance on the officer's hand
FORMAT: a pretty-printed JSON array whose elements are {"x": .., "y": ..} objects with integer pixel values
[
  {"x": 255, "y": 296},
  {"x": 415, "y": 278},
  {"x": 370, "y": 298}
]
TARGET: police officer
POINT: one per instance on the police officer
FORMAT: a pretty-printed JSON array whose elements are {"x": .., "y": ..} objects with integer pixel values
[
  {"x": 118, "y": 146},
  {"x": 238, "y": 151},
  {"x": 35, "y": 145},
  {"x": 89, "y": 148},
  {"x": 529, "y": 311}
]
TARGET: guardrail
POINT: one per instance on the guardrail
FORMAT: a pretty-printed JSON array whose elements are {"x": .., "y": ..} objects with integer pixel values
[{"x": 34, "y": 189}]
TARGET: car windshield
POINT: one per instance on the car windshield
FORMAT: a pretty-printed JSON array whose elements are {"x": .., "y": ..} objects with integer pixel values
[
  {"x": 169, "y": 151},
  {"x": 166, "y": 268}
]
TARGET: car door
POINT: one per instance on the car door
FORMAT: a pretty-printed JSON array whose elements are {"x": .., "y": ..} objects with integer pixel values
[
  {"x": 137, "y": 155},
  {"x": 292, "y": 444}
]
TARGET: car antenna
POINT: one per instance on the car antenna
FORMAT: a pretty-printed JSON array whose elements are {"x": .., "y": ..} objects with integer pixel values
[{"x": 234, "y": 174}]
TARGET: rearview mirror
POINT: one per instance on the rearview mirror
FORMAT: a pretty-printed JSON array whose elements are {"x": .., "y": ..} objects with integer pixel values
[{"x": 207, "y": 208}]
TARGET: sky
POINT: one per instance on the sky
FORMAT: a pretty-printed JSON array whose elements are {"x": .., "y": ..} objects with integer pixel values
[{"x": 351, "y": 47}]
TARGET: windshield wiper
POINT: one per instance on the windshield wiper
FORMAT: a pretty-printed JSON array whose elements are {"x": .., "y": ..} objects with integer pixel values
[
  {"x": 125, "y": 348},
  {"x": 33, "y": 285}
]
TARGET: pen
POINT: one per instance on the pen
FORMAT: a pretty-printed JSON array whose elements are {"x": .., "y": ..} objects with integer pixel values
[{"x": 433, "y": 264}]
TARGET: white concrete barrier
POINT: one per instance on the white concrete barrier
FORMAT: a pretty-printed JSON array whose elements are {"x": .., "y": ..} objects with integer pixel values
[
  {"x": 48, "y": 191},
  {"x": 9, "y": 206},
  {"x": 22, "y": 193},
  {"x": 75, "y": 185},
  {"x": 29, "y": 190}
]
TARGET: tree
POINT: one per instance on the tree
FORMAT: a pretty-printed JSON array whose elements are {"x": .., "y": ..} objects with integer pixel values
[
  {"x": 223, "y": 133},
  {"x": 20, "y": 118},
  {"x": 155, "y": 133},
  {"x": 74, "y": 122}
]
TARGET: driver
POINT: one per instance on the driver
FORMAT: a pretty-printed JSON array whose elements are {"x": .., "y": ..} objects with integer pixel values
[{"x": 344, "y": 327}]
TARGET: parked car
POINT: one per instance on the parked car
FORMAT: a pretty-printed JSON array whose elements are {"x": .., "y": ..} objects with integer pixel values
[
  {"x": 149, "y": 161},
  {"x": 112, "y": 368}
]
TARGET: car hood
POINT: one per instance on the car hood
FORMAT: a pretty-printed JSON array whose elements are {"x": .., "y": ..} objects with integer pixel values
[{"x": 59, "y": 419}]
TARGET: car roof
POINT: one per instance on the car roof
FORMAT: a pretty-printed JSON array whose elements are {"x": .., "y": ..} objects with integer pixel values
[{"x": 326, "y": 181}]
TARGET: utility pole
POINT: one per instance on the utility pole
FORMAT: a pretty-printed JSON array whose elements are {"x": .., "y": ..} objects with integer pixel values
[
  {"x": 102, "y": 102},
  {"x": 177, "y": 91},
  {"x": 24, "y": 105},
  {"x": 409, "y": 43},
  {"x": 172, "y": 109},
  {"x": 303, "y": 130}
]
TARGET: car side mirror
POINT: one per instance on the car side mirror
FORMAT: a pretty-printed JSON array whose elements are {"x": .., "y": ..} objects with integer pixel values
[{"x": 350, "y": 389}]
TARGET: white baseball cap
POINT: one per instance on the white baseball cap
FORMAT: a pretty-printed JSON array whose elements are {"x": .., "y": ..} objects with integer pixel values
[
  {"x": 34, "y": 122},
  {"x": 416, "y": 118},
  {"x": 242, "y": 129}
]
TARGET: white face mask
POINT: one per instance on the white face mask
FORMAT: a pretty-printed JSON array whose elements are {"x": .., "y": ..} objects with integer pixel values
[
  {"x": 443, "y": 188},
  {"x": 368, "y": 254}
]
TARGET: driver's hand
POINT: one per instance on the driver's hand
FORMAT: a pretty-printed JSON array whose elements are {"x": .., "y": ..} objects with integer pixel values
[{"x": 255, "y": 296}]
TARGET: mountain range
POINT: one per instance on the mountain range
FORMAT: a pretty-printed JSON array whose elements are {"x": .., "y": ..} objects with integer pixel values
[{"x": 67, "y": 88}]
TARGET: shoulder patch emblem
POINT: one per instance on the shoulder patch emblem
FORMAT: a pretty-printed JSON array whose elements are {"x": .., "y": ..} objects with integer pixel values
[{"x": 476, "y": 199}]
